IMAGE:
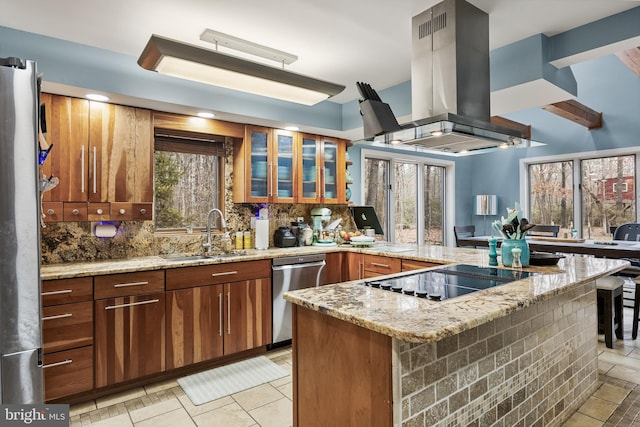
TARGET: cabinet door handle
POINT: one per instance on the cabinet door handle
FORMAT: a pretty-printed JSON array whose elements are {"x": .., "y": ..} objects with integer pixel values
[
  {"x": 51, "y": 365},
  {"x": 229, "y": 313},
  {"x": 95, "y": 169},
  {"x": 121, "y": 211},
  {"x": 360, "y": 269},
  {"x": 63, "y": 291},
  {"x": 143, "y": 211},
  {"x": 50, "y": 211},
  {"x": 75, "y": 211},
  {"x": 224, "y": 273},
  {"x": 270, "y": 179},
  {"x": 221, "y": 312},
  {"x": 375, "y": 264},
  {"x": 99, "y": 211},
  {"x": 124, "y": 285},
  {"x": 57, "y": 316},
  {"x": 112, "y": 307},
  {"x": 82, "y": 169}
]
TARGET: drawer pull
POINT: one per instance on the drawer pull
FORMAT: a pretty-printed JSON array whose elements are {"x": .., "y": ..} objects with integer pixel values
[
  {"x": 375, "y": 264},
  {"x": 64, "y": 362},
  {"x": 124, "y": 285},
  {"x": 224, "y": 273},
  {"x": 75, "y": 212},
  {"x": 57, "y": 316},
  {"x": 151, "y": 301},
  {"x": 143, "y": 211},
  {"x": 63, "y": 291},
  {"x": 99, "y": 211},
  {"x": 121, "y": 211},
  {"x": 50, "y": 211}
]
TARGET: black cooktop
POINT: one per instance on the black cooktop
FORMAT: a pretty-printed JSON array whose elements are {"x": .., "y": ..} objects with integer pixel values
[{"x": 448, "y": 281}]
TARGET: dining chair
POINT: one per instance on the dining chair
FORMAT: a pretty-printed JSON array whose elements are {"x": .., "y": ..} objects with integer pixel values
[
  {"x": 630, "y": 231},
  {"x": 464, "y": 231},
  {"x": 544, "y": 230}
]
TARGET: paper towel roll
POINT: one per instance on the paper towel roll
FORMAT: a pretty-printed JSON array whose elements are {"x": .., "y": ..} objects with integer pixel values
[
  {"x": 105, "y": 230},
  {"x": 262, "y": 234}
]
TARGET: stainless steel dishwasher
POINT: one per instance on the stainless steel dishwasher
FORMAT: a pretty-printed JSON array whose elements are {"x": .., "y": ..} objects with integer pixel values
[{"x": 289, "y": 274}]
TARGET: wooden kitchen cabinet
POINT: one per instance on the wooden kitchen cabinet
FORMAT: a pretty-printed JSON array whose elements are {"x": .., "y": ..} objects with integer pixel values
[
  {"x": 323, "y": 170},
  {"x": 376, "y": 265},
  {"x": 102, "y": 153},
  {"x": 217, "y": 310},
  {"x": 129, "y": 326},
  {"x": 335, "y": 268},
  {"x": 278, "y": 166},
  {"x": 354, "y": 266},
  {"x": 67, "y": 336},
  {"x": 129, "y": 338}
]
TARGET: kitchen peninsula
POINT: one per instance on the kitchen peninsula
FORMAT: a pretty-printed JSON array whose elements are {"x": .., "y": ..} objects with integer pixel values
[{"x": 525, "y": 350}]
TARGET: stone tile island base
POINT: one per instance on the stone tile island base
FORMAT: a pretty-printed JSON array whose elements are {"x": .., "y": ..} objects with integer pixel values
[{"x": 533, "y": 367}]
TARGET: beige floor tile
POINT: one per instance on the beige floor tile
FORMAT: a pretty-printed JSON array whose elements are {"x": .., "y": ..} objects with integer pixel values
[
  {"x": 281, "y": 381},
  {"x": 287, "y": 390},
  {"x": 194, "y": 410},
  {"x": 226, "y": 416},
  {"x": 617, "y": 359},
  {"x": 178, "y": 417},
  {"x": 257, "y": 396},
  {"x": 81, "y": 408},
  {"x": 611, "y": 393},
  {"x": 625, "y": 373},
  {"x": 154, "y": 410},
  {"x": 120, "y": 421},
  {"x": 598, "y": 408},
  {"x": 164, "y": 385},
  {"x": 120, "y": 397},
  {"x": 274, "y": 414},
  {"x": 604, "y": 367},
  {"x": 581, "y": 420}
]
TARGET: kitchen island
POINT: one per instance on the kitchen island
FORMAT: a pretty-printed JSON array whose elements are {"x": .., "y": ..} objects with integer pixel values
[{"x": 522, "y": 351}]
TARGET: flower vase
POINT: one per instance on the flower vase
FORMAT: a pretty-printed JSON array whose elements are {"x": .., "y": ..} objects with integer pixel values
[{"x": 507, "y": 256}]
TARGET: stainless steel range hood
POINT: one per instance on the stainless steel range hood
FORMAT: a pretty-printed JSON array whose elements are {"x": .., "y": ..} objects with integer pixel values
[{"x": 449, "y": 87}]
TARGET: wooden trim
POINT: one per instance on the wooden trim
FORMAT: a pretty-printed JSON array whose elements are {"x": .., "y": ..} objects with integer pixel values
[
  {"x": 525, "y": 130},
  {"x": 631, "y": 58},
  {"x": 576, "y": 112},
  {"x": 190, "y": 124}
]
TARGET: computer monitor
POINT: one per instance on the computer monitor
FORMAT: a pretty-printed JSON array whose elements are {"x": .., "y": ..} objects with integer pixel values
[{"x": 365, "y": 217}]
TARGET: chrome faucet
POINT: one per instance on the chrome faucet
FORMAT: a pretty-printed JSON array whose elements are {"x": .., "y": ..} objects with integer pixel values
[{"x": 223, "y": 224}]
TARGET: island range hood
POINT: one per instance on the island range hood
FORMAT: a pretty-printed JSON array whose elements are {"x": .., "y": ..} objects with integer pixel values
[{"x": 449, "y": 87}]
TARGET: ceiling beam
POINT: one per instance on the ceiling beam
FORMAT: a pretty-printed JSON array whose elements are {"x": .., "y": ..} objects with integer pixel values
[
  {"x": 576, "y": 112},
  {"x": 525, "y": 130},
  {"x": 631, "y": 58}
]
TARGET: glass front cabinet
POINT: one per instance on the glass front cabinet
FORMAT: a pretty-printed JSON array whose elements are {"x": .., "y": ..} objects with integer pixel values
[{"x": 278, "y": 166}]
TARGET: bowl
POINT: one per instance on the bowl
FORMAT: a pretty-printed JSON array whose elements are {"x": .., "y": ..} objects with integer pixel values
[{"x": 544, "y": 258}]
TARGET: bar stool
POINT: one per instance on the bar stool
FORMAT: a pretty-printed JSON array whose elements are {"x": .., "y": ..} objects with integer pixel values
[
  {"x": 609, "y": 295},
  {"x": 636, "y": 308}
]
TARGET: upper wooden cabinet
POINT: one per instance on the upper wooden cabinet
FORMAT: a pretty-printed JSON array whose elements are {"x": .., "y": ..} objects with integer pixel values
[
  {"x": 278, "y": 166},
  {"x": 101, "y": 154}
]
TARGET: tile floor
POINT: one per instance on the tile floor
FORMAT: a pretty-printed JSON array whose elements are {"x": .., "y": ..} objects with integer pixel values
[
  {"x": 165, "y": 404},
  {"x": 616, "y": 402}
]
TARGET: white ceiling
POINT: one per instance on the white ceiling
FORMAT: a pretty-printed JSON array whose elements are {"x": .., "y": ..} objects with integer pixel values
[{"x": 342, "y": 41}]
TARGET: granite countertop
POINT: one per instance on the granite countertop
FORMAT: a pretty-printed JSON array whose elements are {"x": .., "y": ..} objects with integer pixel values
[
  {"x": 420, "y": 320},
  {"x": 427, "y": 253}
]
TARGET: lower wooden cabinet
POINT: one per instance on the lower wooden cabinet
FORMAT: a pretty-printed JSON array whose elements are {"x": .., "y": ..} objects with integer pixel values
[
  {"x": 206, "y": 322},
  {"x": 195, "y": 325},
  {"x": 410, "y": 264},
  {"x": 68, "y": 372},
  {"x": 376, "y": 265},
  {"x": 335, "y": 268},
  {"x": 354, "y": 266},
  {"x": 129, "y": 337}
]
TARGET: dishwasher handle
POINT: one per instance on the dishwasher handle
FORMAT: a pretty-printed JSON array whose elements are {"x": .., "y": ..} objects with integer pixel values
[{"x": 296, "y": 266}]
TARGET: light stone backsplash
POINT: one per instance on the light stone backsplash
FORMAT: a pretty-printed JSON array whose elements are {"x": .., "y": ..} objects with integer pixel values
[
  {"x": 533, "y": 367},
  {"x": 74, "y": 241}
]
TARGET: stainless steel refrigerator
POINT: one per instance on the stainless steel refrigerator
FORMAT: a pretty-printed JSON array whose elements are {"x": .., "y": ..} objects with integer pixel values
[{"x": 21, "y": 375}]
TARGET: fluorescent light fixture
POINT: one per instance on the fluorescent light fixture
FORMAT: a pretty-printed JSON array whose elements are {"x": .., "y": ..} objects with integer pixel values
[
  {"x": 97, "y": 97},
  {"x": 191, "y": 62},
  {"x": 206, "y": 115}
]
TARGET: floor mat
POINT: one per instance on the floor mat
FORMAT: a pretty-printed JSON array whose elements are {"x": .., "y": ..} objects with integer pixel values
[{"x": 215, "y": 383}]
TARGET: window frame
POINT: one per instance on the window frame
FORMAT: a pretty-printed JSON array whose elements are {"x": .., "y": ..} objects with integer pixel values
[
  {"x": 192, "y": 143},
  {"x": 576, "y": 158},
  {"x": 449, "y": 189}
]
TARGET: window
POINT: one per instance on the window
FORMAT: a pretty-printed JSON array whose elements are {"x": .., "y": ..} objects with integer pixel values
[
  {"x": 188, "y": 181},
  {"x": 410, "y": 201},
  {"x": 583, "y": 189}
]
